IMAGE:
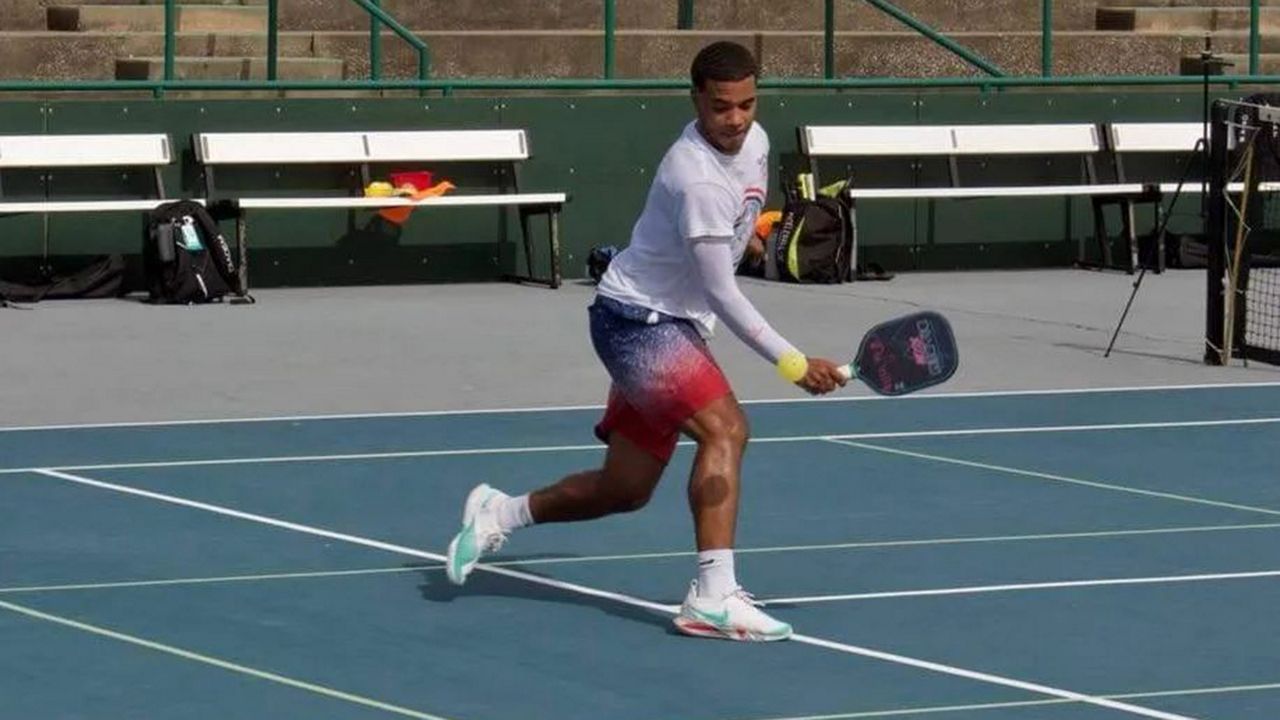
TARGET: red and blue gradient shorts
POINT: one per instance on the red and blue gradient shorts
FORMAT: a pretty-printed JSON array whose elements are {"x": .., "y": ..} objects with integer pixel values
[{"x": 662, "y": 374}]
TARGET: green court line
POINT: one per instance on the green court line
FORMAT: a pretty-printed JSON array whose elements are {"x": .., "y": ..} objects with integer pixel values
[
  {"x": 1030, "y": 703},
  {"x": 223, "y": 664},
  {"x": 1058, "y": 478},
  {"x": 636, "y": 556}
]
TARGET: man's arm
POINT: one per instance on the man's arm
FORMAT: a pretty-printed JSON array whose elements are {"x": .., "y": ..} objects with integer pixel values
[{"x": 713, "y": 258}]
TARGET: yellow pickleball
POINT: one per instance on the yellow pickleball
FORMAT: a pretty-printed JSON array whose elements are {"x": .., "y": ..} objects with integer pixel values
[{"x": 793, "y": 366}]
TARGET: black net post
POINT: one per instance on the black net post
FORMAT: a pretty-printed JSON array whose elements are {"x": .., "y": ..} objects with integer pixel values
[{"x": 1215, "y": 233}]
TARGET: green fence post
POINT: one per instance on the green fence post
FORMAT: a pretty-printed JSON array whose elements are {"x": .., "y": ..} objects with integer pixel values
[
  {"x": 273, "y": 38},
  {"x": 1255, "y": 41},
  {"x": 1046, "y": 40},
  {"x": 684, "y": 15},
  {"x": 375, "y": 44},
  {"x": 829, "y": 40},
  {"x": 609, "y": 21},
  {"x": 170, "y": 25}
]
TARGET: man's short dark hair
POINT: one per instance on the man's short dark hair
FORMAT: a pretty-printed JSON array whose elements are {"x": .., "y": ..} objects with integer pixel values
[{"x": 723, "y": 61}]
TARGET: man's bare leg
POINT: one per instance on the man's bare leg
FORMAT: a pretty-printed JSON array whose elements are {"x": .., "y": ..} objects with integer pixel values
[
  {"x": 716, "y": 606},
  {"x": 624, "y": 484},
  {"x": 721, "y": 431}
]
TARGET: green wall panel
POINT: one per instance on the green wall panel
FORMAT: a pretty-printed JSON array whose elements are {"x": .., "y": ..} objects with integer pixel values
[
  {"x": 604, "y": 150},
  {"x": 21, "y": 235},
  {"x": 601, "y": 148}
]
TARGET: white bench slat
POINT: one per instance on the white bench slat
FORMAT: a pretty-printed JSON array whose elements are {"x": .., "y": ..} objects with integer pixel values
[
  {"x": 448, "y": 145},
  {"x": 83, "y": 150},
  {"x": 1037, "y": 191},
  {"x": 924, "y": 140},
  {"x": 878, "y": 140},
  {"x": 1266, "y": 187},
  {"x": 294, "y": 147},
  {"x": 442, "y": 201},
  {"x": 360, "y": 147},
  {"x": 992, "y": 192},
  {"x": 1155, "y": 137},
  {"x": 64, "y": 206},
  {"x": 1026, "y": 139}
]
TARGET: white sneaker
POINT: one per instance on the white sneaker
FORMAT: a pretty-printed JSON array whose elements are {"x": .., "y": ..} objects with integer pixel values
[
  {"x": 736, "y": 616},
  {"x": 480, "y": 533}
]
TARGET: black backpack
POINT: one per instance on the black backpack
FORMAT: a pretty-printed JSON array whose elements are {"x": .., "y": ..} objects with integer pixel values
[
  {"x": 813, "y": 243},
  {"x": 185, "y": 258},
  {"x": 101, "y": 278}
]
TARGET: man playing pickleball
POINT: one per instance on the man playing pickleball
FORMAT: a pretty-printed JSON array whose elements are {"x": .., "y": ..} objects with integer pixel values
[{"x": 656, "y": 303}]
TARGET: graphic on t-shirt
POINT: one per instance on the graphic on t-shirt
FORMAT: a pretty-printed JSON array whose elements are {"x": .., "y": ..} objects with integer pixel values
[{"x": 745, "y": 225}]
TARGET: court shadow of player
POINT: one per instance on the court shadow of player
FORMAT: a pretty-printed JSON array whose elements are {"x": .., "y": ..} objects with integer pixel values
[{"x": 436, "y": 587}]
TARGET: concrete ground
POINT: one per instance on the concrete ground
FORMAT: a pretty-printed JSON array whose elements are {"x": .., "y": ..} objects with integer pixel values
[{"x": 478, "y": 346}]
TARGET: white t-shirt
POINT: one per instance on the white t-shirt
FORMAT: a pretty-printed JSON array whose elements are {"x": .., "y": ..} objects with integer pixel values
[{"x": 698, "y": 191}]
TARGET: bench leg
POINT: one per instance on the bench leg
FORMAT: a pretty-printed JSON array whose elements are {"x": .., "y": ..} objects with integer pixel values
[
  {"x": 1160, "y": 237},
  {"x": 553, "y": 227},
  {"x": 1130, "y": 234},
  {"x": 1100, "y": 237},
  {"x": 528, "y": 245},
  {"x": 242, "y": 260},
  {"x": 553, "y": 230}
]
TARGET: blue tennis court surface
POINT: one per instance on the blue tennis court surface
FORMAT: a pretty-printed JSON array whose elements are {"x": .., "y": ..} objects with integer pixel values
[{"x": 1043, "y": 555}]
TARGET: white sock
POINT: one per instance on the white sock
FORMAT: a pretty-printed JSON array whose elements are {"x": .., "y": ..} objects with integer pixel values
[
  {"x": 513, "y": 513},
  {"x": 715, "y": 573}
]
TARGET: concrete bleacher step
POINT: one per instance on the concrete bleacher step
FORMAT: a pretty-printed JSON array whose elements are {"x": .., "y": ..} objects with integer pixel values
[
  {"x": 1184, "y": 19},
  {"x": 1268, "y": 64},
  {"x": 92, "y": 54},
  {"x": 150, "y": 18},
  {"x": 230, "y": 68},
  {"x": 734, "y": 15},
  {"x": 1184, "y": 3},
  {"x": 640, "y": 54},
  {"x": 135, "y": 3}
]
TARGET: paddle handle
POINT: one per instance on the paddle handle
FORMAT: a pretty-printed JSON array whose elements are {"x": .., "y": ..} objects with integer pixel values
[{"x": 846, "y": 371}]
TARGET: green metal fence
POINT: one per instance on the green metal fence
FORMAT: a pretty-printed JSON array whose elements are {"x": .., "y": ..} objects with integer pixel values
[
  {"x": 995, "y": 78},
  {"x": 687, "y": 9},
  {"x": 377, "y": 19}
]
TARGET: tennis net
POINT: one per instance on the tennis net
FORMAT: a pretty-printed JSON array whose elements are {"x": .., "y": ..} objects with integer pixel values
[{"x": 1243, "y": 232}]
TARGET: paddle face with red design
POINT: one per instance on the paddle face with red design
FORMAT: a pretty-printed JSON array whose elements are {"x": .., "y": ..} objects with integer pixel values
[{"x": 906, "y": 354}]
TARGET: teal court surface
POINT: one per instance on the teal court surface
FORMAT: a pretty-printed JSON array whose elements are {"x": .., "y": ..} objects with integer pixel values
[{"x": 1046, "y": 555}]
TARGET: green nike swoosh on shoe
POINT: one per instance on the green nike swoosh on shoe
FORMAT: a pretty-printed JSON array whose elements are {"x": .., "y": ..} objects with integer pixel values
[
  {"x": 720, "y": 619},
  {"x": 463, "y": 555}
]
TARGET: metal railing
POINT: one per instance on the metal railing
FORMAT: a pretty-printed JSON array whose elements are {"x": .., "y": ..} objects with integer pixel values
[
  {"x": 685, "y": 21},
  {"x": 448, "y": 87},
  {"x": 912, "y": 22},
  {"x": 377, "y": 19},
  {"x": 995, "y": 78}
]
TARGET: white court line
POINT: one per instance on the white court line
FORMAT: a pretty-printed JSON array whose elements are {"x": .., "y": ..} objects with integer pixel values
[
  {"x": 1029, "y": 703},
  {"x": 317, "y": 458},
  {"x": 209, "y": 660},
  {"x": 561, "y": 408},
  {"x": 905, "y": 434},
  {"x": 629, "y": 600},
  {"x": 1058, "y": 478},
  {"x": 640, "y": 556},
  {"x": 212, "y": 580},
  {"x": 978, "y": 589}
]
